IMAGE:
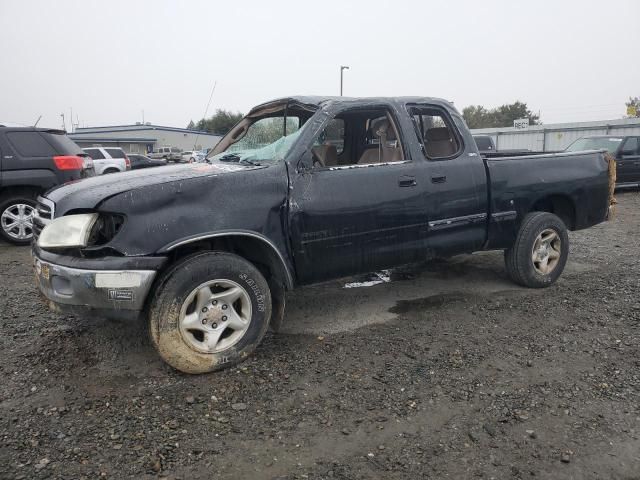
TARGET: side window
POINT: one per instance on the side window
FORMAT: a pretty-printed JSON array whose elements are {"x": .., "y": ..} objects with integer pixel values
[
  {"x": 333, "y": 134},
  {"x": 437, "y": 134},
  {"x": 94, "y": 153},
  {"x": 358, "y": 136},
  {"x": 630, "y": 147},
  {"x": 115, "y": 152},
  {"x": 30, "y": 144}
]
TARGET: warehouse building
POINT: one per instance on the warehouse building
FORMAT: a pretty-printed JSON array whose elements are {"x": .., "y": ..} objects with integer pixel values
[
  {"x": 143, "y": 138},
  {"x": 557, "y": 136}
]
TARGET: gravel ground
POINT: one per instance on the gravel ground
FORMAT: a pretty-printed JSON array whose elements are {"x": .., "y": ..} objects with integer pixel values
[{"x": 453, "y": 372}]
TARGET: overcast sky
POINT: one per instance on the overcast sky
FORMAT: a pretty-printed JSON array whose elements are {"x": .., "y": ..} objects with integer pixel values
[{"x": 571, "y": 60}]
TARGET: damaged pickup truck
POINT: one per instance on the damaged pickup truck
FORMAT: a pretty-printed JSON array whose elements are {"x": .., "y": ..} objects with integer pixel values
[{"x": 300, "y": 191}]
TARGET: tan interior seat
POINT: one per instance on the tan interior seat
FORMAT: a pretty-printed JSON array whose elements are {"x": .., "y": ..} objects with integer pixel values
[
  {"x": 388, "y": 147},
  {"x": 438, "y": 142},
  {"x": 327, "y": 154}
]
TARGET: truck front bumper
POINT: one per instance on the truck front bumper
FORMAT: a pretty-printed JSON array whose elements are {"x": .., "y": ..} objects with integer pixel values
[{"x": 112, "y": 287}]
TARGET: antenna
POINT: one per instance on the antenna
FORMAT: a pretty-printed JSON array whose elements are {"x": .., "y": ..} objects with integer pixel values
[
  {"x": 195, "y": 142},
  {"x": 36, "y": 124}
]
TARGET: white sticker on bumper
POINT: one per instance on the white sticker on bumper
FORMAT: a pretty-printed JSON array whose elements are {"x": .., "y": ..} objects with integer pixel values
[{"x": 118, "y": 280}]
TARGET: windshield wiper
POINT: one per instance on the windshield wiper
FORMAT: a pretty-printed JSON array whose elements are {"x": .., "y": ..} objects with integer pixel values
[
  {"x": 230, "y": 157},
  {"x": 249, "y": 162},
  {"x": 234, "y": 157}
]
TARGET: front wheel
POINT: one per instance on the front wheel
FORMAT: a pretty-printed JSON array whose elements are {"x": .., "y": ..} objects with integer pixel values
[
  {"x": 210, "y": 312},
  {"x": 540, "y": 252}
]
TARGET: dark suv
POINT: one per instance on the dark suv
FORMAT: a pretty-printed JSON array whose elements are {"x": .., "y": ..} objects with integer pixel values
[{"x": 33, "y": 160}]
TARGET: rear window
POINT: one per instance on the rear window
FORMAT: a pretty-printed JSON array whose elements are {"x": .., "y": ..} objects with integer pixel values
[
  {"x": 115, "y": 152},
  {"x": 484, "y": 143},
  {"x": 31, "y": 144},
  {"x": 62, "y": 144},
  {"x": 94, "y": 153}
]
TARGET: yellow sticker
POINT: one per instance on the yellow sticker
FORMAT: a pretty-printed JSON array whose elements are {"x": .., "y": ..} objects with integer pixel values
[{"x": 45, "y": 271}]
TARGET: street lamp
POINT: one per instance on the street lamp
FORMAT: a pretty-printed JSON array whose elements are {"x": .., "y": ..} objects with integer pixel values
[{"x": 342, "y": 69}]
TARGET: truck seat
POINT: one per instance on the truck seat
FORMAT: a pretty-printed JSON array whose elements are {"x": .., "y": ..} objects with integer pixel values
[
  {"x": 327, "y": 154},
  {"x": 438, "y": 142},
  {"x": 388, "y": 147}
]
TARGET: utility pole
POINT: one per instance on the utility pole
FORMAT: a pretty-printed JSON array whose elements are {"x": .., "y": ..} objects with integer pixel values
[{"x": 342, "y": 69}]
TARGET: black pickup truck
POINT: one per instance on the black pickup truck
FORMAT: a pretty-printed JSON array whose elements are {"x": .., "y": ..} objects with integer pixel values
[{"x": 303, "y": 190}]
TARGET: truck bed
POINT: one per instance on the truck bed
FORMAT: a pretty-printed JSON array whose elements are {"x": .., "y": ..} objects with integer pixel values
[{"x": 578, "y": 185}]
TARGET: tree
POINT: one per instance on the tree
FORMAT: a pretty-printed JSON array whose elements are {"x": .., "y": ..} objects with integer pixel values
[
  {"x": 633, "y": 104},
  {"x": 220, "y": 122},
  {"x": 191, "y": 126},
  {"x": 477, "y": 116}
]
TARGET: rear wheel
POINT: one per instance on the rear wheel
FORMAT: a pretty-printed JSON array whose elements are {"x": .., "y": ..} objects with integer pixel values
[
  {"x": 540, "y": 252},
  {"x": 210, "y": 312},
  {"x": 16, "y": 218}
]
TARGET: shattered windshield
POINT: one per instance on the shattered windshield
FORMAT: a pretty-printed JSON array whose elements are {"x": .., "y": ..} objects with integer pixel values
[{"x": 265, "y": 141}]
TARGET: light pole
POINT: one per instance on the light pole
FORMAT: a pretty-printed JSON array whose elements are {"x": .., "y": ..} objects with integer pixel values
[{"x": 342, "y": 69}]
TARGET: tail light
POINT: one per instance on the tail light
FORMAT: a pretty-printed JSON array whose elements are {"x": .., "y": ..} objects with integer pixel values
[
  {"x": 68, "y": 162},
  {"x": 127, "y": 162}
]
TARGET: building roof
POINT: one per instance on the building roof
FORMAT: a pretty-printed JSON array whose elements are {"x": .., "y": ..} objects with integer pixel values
[
  {"x": 83, "y": 138},
  {"x": 139, "y": 127}
]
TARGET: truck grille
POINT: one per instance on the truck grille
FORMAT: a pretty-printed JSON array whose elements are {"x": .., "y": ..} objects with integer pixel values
[{"x": 42, "y": 216}]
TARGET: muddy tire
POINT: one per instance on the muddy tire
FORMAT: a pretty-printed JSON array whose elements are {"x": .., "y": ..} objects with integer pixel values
[
  {"x": 540, "y": 251},
  {"x": 16, "y": 210},
  {"x": 210, "y": 311}
]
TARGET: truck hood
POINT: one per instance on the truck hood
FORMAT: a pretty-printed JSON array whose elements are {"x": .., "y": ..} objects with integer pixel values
[{"x": 89, "y": 192}]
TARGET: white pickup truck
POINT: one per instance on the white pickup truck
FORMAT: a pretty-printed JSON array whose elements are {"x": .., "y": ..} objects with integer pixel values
[
  {"x": 170, "y": 154},
  {"x": 108, "y": 160}
]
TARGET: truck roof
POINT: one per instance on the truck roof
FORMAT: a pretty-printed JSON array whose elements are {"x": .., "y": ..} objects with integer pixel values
[{"x": 319, "y": 101}]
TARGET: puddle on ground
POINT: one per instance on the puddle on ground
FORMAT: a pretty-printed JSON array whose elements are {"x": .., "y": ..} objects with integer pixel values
[{"x": 432, "y": 301}]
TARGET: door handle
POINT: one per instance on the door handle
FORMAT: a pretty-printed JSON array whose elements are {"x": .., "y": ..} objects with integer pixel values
[
  {"x": 407, "y": 181},
  {"x": 439, "y": 179}
]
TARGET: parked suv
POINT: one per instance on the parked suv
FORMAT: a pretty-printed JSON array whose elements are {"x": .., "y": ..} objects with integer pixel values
[
  {"x": 108, "y": 160},
  {"x": 33, "y": 160},
  {"x": 625, "y": 149},
  {"x": 170, "y": 154}
]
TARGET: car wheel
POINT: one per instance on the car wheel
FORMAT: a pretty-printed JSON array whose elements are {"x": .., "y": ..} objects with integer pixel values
[
  {"x": 540, "y": 251},
  {"x": 209, "y": 312},
  {"x": 111, "y": 170},
  {"x": 16, "y": 219}
]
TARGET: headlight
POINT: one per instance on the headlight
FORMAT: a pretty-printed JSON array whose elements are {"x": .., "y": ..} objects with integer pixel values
[{"x": 67, "y": 232}]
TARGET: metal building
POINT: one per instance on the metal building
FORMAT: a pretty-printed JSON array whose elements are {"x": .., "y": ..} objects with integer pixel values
[
  {"x": 557, "y": 136},
  {"x": 143, "y": 138}
]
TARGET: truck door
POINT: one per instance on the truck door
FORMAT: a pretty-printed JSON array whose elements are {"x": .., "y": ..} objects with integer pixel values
[
  {"x": 456, "y": 199},
  {"x": 359, "y": 207},
  {"x": 628, "y": 170}
]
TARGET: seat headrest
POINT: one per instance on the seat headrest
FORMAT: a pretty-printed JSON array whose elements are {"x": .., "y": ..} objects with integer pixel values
[
  {"x": 437, "y": 134},
  {"x": 379, "y": 127}
]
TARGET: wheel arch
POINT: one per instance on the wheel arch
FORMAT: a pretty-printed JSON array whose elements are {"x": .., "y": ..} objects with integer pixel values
[
  {"x": 9, "y": 191},
  {"x": 558, "y": 204},
  {"x": 252, "y": 246}
]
